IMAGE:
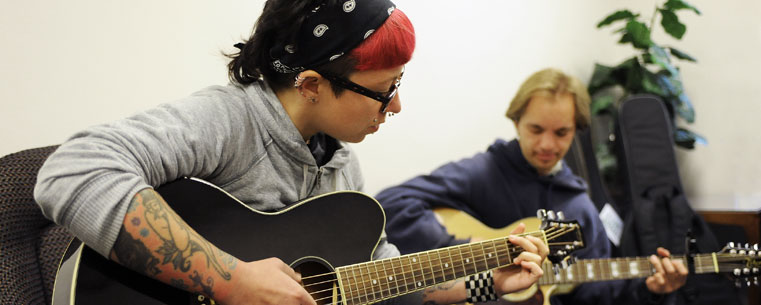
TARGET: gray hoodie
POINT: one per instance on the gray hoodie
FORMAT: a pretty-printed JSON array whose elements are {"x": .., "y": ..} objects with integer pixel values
[{"x": 238, "y": 138}]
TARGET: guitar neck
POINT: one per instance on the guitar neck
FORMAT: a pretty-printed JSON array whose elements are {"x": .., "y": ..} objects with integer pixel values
[
  {"x": 605, "y": 269},
  {"x": 387, "y": 278}
]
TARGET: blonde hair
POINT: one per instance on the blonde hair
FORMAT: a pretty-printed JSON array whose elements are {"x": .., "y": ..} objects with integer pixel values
[{"x": 552, "y": 81}]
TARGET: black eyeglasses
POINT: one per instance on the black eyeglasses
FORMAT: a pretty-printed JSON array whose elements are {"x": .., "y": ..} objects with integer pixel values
[{"x": 383, "y": 97}]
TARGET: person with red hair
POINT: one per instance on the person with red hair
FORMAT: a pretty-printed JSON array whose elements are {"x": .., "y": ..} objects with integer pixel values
[{"x": 313, "y": 75}]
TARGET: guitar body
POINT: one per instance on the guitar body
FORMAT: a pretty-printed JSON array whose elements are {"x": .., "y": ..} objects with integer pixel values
[{"x": 314, "y": 236}]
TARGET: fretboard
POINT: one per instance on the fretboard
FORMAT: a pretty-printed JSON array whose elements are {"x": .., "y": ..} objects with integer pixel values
[
  {"x": 387, "y": 278},
  {"x": 592, "y": 270}
]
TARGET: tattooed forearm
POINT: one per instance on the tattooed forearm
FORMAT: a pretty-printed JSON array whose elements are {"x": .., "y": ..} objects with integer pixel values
[
  {"x": 179, "y": 242},
  {"x": 432, "y": 294},
  {"x": 155, "y": 241},
  {"x": 133, "y": 254}
]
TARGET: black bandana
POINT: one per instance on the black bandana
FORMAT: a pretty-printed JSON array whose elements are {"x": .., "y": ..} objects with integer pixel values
[{"x": 328, "y": 32}]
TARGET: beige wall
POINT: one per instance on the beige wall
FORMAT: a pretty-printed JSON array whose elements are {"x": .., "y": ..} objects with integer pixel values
[{"x": 67, "y": 65}]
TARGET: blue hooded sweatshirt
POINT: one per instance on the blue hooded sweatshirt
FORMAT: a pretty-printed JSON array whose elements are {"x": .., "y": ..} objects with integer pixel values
[{"x": 498, "y": 187}]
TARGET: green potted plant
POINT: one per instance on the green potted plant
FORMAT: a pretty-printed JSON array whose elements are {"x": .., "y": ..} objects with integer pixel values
[{"x": 651, "y": 70}]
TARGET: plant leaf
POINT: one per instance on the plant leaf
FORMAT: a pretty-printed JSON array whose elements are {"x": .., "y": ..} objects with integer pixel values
[
  {"x": 675, "y": 5},
  {"x": 671, "y": 24},
  {"x": 659, "y": 56},
  {"x": 600, "y": 103},
  {"x": 601, "y": 78},
  {"x": 666, "y": 81},
  {"x": 640, "y": 34},
  {"x": 650, "y": 84},
  {"x": 632, "y": 71},
  {"x": 682, "y": 55},
  {"x": 687, "y": 139},
  {"x": 619, "y": 15},
  {"x": 683, "y": 107}
]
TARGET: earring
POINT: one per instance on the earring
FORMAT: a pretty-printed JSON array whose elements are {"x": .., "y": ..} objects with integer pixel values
[
  {"x": 390, "y": 114},
  {"x": 313, "y": 100},
  {"x": 375, "y": 120},
  {"x": 298, "y": 81}
]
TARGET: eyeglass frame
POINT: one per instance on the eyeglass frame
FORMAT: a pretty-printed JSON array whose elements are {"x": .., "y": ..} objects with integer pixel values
[{"x": 384, "y": 98}]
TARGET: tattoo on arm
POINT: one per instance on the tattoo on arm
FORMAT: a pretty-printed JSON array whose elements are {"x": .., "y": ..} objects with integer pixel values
[
  {"x": 150, "y": 218},
  {"x": 429, "y": 292}
]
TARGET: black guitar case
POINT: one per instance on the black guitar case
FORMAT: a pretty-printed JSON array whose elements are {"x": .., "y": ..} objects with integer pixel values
[{"x": 658, "y": 213}]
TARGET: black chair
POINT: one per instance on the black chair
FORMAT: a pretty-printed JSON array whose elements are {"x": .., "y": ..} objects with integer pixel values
[{"x": 31, "y": 246}]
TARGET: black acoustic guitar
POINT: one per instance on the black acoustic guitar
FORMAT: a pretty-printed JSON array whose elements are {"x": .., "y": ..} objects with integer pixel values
[{"x": 329, "y": 239}]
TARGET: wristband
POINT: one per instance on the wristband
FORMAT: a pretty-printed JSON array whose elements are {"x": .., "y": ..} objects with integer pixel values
[{"x": 480, "y": 287}]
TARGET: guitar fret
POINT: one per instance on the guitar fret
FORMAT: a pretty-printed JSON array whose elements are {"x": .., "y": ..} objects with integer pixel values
[
  {"x": 448, "y": 264},
  {"x": 441, "y": 264},
  {"x": 403, "y": 277},
  {"x": 347, "y": 290},
  {"x": 373, "y": 282},
  {"x": 599, "y": 270},
  {"x": 360, "y": 291},
  {"x": 393, "y": 278},
  {"x": 483, "y": 254},
  {"x": 418, "y": 283},
  {"x": 614, "y": 269},
  {"x": 387, "y": 279},
  {"x": 473, "y": 260},
  {"x": 425, "y": 265},
  {"x": 400, "y": 276},
  {"x": 385, "y": 292},
  {"x": 461, "y": 261},
  {"x": 494, "y": 255}
]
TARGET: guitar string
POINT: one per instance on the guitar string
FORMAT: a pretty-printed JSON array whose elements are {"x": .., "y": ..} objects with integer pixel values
[
  {"x": 723, "y": 258},
  {"x": 392, "y": 258},
  {"x": 424, "y": 274},
  {"x": 704, "y": 263},
  {"x": 405, "y": 274}
]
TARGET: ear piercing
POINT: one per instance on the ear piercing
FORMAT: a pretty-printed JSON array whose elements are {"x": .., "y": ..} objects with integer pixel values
[{"x": 299, "y": 80}]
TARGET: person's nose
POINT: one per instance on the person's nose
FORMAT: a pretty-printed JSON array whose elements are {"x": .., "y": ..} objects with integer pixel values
[
  {"x": 395, "y": 105},
  {"x": 547, "y": 141}
]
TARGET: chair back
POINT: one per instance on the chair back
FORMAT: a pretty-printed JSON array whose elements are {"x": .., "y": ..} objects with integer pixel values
[{"x": 31, "y": 246}]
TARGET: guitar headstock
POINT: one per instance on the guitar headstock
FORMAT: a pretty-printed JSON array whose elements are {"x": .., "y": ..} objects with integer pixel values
[
  {"x": 742, "y": 261},
  {"x": 563, "y": 236}
]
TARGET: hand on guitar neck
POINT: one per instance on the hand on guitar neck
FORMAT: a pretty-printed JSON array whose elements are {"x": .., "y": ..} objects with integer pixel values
[
  {"x": 670, "y": 274},
  {"x": 526, "y": 270}
]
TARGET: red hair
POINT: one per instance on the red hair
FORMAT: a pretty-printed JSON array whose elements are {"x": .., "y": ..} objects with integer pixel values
[{"x": 389, "y": 46}]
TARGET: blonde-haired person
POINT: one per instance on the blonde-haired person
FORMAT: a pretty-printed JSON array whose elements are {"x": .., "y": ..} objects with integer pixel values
[{"x": 512, "y": 179}]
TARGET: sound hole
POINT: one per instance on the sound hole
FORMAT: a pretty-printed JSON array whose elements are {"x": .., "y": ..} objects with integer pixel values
[{"x": 319, "y": 280}]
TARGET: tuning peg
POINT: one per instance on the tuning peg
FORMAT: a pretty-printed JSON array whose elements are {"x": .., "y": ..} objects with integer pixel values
[
  {"x": 737, "y": 272},
  {"x": 755, "y": 270},
  {"x": 560, "y": 215},
  {"x": 541, "y": 214},
  {"x": 730, "y": 245},
  {"x": 738, "y": 283},
  {"x": 551, "y": 215},
  {"x": 746, "y": 271}
]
